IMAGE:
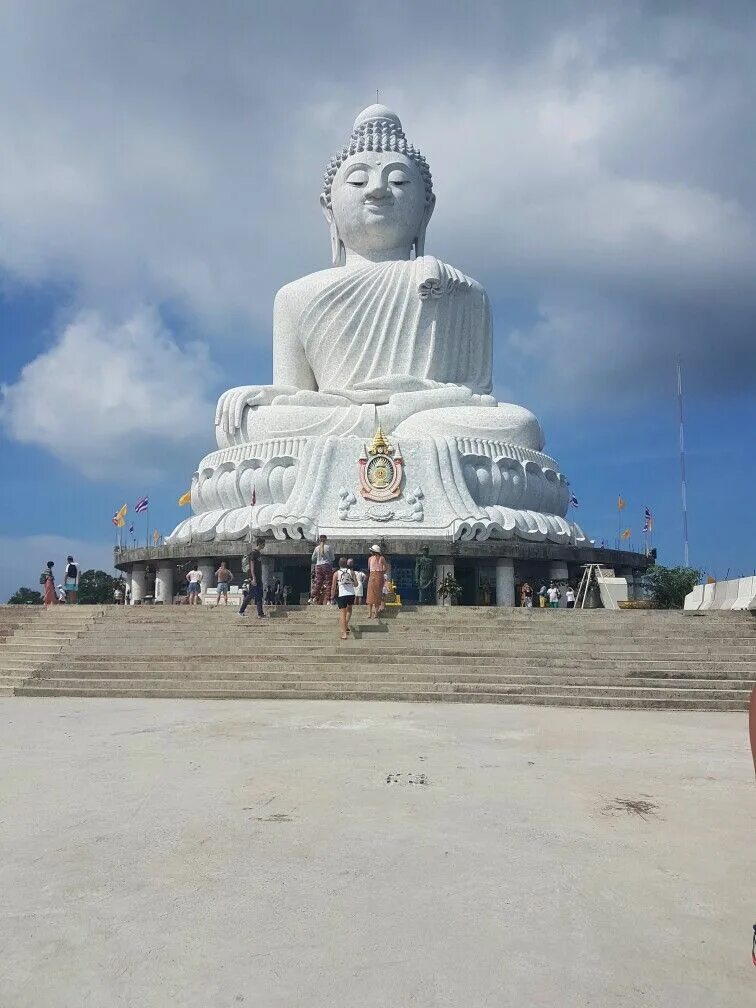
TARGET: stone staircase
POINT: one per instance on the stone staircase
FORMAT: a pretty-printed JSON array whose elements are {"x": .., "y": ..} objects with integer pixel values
[
  {"x": 628, "y": 659},
  {"x": 32, "y": 637}
]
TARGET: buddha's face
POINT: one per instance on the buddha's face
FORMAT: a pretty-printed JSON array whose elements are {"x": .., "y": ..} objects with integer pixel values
[{"x": 378, "y": 202}]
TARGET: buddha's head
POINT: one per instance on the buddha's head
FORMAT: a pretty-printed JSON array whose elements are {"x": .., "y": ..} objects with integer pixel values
[{"x": 378, "y": 194}]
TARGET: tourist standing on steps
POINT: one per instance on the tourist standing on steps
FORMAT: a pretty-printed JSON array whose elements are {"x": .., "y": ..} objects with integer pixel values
[
  {"x": 570, "y": 597},
  {"x": 47, "y": 580},
  {"x": 254, "y": 581},
  {"x": 543, "y": 595},
  {"x": 343, "y": 587},
  {"x": 554, "y": 595},
  {"x": 376, "y": 581},
  {"x": 526, "y": 596},
  {"x": 194, "y": 577},
  {"x": 359, "y": 591},
  {"x": 223, "y": 578},
  {"x": 71, "y": 582},
  {"x": 322, "y": 561}
]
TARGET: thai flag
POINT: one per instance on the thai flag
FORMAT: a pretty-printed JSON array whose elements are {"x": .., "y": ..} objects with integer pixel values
[
  {"x": 573, "y": 500},
  {"x": 142, "y": 504},
  {"x": 648, "y": 521}
]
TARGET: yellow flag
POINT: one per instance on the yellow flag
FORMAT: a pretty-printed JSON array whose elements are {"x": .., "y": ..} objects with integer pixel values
[
  {"x": 621, "y": 504},
  {"x": 118, "y": 518},
  {"x": 626, "y": 534},
  {"x": 185, "y": 498}
]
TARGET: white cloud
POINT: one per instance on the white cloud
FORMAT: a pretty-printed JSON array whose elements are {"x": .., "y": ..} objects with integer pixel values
[
  {"x": 111, "y": 399},
  {"x": 24, "y": 557}
]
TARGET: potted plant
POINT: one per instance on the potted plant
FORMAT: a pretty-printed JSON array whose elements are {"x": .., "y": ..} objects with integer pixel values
[{"x": 449, "y": 590}]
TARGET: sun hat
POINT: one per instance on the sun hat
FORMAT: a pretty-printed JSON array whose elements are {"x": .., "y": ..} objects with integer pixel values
[{"x": 375, "y": 548}]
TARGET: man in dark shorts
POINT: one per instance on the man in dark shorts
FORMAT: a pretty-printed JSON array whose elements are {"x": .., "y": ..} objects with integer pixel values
[
  {"x": 343, "y": 588},
  {"x": 255, "y": 580}
]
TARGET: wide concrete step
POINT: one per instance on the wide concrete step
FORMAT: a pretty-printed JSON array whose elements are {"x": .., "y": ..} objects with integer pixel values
[
  {"x": 360, "y": 645},
  {"x": 257, "y": 627},
  {"x": 338, "y": 658},
  {"x": 452, "y": 675},
  {"x": 566, "y": 698},
  {"x": 379, "y": 684}
]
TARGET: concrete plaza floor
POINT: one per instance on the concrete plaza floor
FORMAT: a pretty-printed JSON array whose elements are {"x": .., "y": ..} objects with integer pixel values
[{"x": 217, "y": 854}]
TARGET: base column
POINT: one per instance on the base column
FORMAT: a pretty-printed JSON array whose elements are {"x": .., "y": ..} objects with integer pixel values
[
  {"x": 164, "y": 585},
  {"x": 505, "y": 583},
  {"x": 558, "y": 571},
  {"x": 206, "y": 568},
  {"x": 138, "y": 583}
]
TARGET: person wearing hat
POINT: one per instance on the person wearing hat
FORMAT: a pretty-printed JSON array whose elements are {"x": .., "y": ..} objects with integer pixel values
[{"x": 376, "y": 580}]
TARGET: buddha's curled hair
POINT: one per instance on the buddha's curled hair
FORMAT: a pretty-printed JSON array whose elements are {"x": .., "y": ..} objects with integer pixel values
[{"x": 377, "y": 135}]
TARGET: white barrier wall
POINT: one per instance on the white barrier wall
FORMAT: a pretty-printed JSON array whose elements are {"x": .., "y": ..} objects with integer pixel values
[{"x": 736, "y": 594}]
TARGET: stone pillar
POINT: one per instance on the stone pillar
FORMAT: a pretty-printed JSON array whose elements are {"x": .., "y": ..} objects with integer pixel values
[
  {"x": 164, "y": 584},
  {"x": 207, "y": 569},
  {"x": 558, "y": 571},
  {"x": 138, "y": 582},
  {"x": 444, "y": 566},
  {"x": 505, "y": 583},
  {"x": 267, "y": 563}
]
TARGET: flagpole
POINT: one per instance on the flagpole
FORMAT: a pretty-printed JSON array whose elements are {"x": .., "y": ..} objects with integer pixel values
[{"x": 683, "y": 487}]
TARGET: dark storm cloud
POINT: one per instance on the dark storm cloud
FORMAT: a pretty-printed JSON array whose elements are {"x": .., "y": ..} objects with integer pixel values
[{"x": 592, "y": 160}]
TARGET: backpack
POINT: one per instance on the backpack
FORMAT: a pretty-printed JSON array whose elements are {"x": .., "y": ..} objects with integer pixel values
[
  {"x": 72, "y": 571},
  {"x": 43, "y": 577},
  {"x": 245, "y": 564}
]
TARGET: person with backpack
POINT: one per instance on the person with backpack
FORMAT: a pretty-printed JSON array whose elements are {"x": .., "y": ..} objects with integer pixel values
[
  {"x": 343, "y": 589},
  {"x": 543, "y": 595},
  {"x": 71, "y": 581},
  {"x": 47, "y": 580}
]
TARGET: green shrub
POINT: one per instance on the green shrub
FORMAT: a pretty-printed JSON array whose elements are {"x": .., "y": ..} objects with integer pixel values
[{"x": 668, "y": 586}]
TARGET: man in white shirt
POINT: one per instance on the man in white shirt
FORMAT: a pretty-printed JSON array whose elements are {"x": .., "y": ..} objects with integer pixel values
[
  {"x": 570, "y": 597},
  {"x": 322, "y": 561},
  {"x": 554, "y": 595},
  {"x": 194, "y": 577}
]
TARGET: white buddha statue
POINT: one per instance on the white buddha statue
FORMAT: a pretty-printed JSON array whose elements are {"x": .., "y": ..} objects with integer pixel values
[
  {"x": 387, "y": 338},
  {"x": 387, "y": 328}
]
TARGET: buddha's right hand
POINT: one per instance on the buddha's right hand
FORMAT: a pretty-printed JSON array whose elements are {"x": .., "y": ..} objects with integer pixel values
[{"x": 230, "y": 409}]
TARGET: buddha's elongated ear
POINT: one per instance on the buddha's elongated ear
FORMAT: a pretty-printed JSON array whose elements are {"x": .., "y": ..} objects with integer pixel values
[
  {"x": 420, "y": 240},
  {"x": 338, "y": 252}
]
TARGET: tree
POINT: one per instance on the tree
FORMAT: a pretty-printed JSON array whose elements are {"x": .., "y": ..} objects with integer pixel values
[
  {"x": 668, "y": 586},
  {"x": 25, "y": 596},
  {"x": 96, "y": 587}
]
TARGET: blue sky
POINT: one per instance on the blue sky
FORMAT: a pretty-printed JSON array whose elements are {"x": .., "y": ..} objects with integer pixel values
[{"x": 592, "y": 167}]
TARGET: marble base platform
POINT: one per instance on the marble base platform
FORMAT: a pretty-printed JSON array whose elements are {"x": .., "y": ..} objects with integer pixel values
[{"x": 453, "y": 488}]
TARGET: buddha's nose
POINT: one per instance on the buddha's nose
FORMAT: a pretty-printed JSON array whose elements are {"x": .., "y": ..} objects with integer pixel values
[{"x": 376, "y": 189}]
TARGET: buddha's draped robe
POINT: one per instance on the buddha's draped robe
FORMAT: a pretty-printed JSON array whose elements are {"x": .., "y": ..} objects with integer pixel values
[{"x": 385, "y": 322}]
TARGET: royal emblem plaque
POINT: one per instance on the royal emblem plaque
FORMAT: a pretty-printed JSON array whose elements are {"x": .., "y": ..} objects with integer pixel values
[{"x": 380, "y": 470}]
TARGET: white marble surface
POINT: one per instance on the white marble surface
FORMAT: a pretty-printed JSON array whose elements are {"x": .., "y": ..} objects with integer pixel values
[{"x": 387, "y": 335}]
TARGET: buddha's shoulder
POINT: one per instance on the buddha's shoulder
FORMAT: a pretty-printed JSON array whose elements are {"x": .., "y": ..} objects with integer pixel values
[
  {"x": 291, "y": 295},
  {"x": 460, "y": 279}
]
